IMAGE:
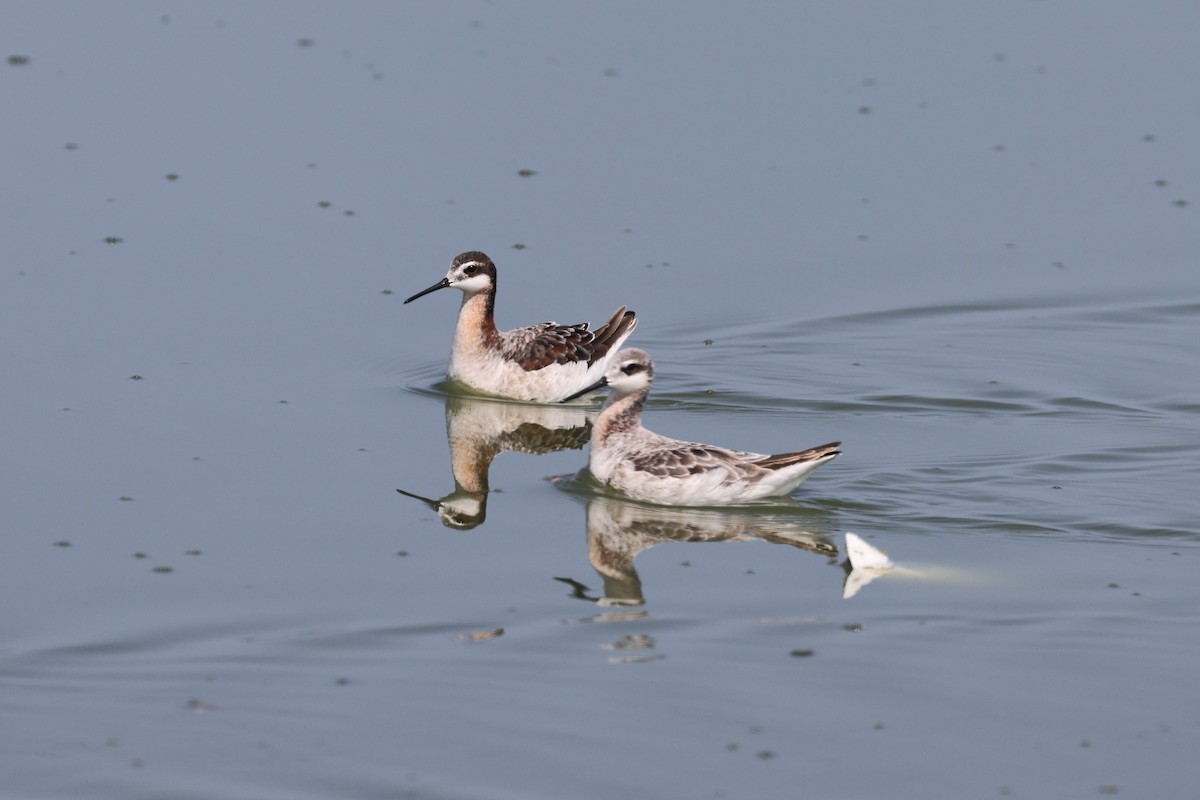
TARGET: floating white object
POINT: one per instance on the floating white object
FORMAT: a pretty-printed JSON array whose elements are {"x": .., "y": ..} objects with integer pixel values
[
  {"x": 865, "y": 556},
  {"x": 866, "y": 564}
]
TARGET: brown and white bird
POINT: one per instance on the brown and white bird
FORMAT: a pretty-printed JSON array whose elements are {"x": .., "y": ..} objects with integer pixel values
[
  {"x": 650, "y": 467},
  {"x": 543, "y": 363}
]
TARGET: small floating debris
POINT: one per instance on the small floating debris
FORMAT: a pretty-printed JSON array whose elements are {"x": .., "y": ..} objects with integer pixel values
[
  {"x": 865, "y": 556},
  {"x": 632, "y": 641},
  {"x": 480, "y": 636},
  {"x": 113, "y": 240},
  {"x": 636, "y": 659},
  {"x": 867, "y": 563},
  {"x": 195, "y": 704},
  {"x": 18, "y": 61}
]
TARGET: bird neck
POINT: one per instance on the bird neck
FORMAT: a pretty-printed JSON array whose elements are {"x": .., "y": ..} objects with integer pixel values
[
  {"x": 476, "y": 324},
  {"x": 621, "y": 413}
]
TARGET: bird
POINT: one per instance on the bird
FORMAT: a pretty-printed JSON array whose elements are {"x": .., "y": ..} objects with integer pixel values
[
  {"x": 543, "y": 363},
  {"x": 653, "y": 468}
]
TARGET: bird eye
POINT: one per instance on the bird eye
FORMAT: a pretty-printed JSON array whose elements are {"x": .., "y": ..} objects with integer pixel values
[
  {"x": 470, "y": 269},
  {"x": 630, "y": 369}
]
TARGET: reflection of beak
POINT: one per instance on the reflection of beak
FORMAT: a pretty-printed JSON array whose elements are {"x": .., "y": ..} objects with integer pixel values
[
  {"x": 600, "y": 384},
  {"x": 442, "y": 284},
  {"x": 436, "y": 505}
]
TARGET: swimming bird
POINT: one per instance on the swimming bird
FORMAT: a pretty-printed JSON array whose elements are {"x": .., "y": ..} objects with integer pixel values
[
  {"x": 653, "y": 468},
  {"x": 543, "y": 363}
]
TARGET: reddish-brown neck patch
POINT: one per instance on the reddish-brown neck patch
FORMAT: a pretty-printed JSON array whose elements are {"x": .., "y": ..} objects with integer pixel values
[{"x": 475, "y": 321}]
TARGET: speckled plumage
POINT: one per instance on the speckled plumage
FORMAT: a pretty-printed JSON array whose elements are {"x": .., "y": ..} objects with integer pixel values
[
  {"x": 542, "y": 363},
  {"x": 657, "y": 469}
]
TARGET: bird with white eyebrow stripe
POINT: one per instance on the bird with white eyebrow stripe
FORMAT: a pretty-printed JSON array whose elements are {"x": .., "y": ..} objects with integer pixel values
[
  {"x": 543, "y": 363},
  {"x": 656, "y": 469}
]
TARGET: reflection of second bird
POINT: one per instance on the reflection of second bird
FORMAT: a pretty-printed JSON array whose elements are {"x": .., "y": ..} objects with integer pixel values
[
  {"x": 654, "y": 468},
  {"x": 618, "y": 530}
]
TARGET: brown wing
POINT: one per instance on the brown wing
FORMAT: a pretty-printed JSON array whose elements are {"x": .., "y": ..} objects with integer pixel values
[
  {"x": 681, "y": 459},
  {"x": 608, "y": 335},
  {"x": 539, "y": 346},
  {"x": 811, "y": 454}
]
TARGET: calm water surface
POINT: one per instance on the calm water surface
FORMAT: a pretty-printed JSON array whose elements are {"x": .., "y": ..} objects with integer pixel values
[{"x": 961, "y": 241}]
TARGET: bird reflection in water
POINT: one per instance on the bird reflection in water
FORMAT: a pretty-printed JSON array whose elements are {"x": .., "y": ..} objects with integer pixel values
[
  {"x": 618, "y": 530},
  {"x": 479, "y": 429}
]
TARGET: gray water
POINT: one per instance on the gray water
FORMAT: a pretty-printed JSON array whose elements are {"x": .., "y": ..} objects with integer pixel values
[{"x": 961, "y": 238}]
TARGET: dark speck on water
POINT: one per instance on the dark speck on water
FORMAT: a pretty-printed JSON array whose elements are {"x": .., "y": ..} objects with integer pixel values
[
  {"x": 113, "y": 240},
  {"x": 18, "y": 61}
]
